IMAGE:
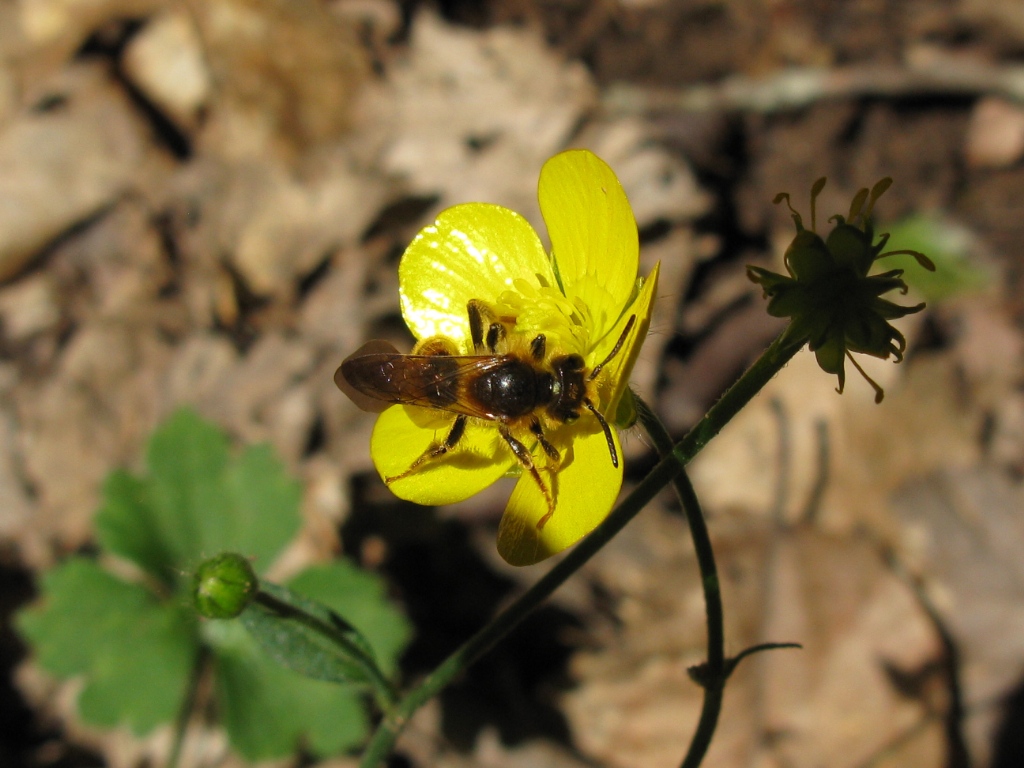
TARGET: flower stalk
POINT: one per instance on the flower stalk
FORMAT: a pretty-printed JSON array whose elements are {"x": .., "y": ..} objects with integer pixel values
[{"x": 714, "y": 667}]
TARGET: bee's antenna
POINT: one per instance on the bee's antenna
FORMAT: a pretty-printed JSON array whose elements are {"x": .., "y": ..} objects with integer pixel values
[
  {"x": 614, "y": 352},
  {"x": 606, "y": 428}
]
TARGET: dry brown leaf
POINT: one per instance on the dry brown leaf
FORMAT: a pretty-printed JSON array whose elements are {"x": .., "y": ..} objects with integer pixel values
[
  {"x": 473, "y": 116},
  {"x": 963, "y": 535},
  {"x": 832, "y": 703},
  {"x": 165, "y": 61},
  {"x": 995, "y": 134},
  {"x": 799, "y": 420},
  {"x": 285, "y": 73},
  {"x": 93, "y": 414},
  {"x": 61, "y": 166}
]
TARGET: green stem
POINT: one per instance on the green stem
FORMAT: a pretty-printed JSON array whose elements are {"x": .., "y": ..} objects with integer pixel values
[
  {"x": 187, "y": 705},
  {"x": 714, "y": 682},
  {"x": 763, "y": 369},
  {"x": 384, "y": 693}
]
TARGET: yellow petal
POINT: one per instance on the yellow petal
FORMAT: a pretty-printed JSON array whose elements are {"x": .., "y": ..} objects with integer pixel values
[
  {"x": 472, "y": 251},
  {"x": 593, "y": 233},
  {"x": 585, "y": 489},
  {"x": 404, "y": 433},
  {"x": 614, "y": 376}
]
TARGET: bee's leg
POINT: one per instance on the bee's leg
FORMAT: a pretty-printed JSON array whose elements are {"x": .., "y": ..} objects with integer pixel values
[
  {"x": 486, "y": 330},
  {"x": 525, "y": 458},
  {"x": 477, "y": 311},
  {"x": 538, "y": 346},
  {"x": 549, "y": 449},
  {"x": 435, "y": 345},
  {"x": 495, "y": 335},
  {"x": 436, "y": 450}
]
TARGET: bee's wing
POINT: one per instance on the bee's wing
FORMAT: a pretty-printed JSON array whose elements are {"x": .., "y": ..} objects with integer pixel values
[
  {"x": 354, "y": 375},
  {"x": 382, "y": 377}
]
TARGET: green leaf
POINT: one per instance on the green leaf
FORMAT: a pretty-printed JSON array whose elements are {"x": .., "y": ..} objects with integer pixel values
[
  {"x": 947, "y": 245},
  {"x": 135, "y": 649},
  {"x": 264, "y": 506},
  {"x": 361, "y": 598},
  {"x": 187, "y": 460},
  {"x": 198, "y": 501},
  {"x": 270, "y": 712},
  {"x": 280, "y": 631},
  {"x": 128, "y": 525},
  {"x": 134, "y": 652},
  {"x": 269, "y": 709}
]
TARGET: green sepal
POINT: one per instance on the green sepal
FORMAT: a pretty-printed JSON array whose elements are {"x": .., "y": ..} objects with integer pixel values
[
  {"x": 831, "y": 355},
  {"x": 871, "y": 335},
  {"x": 625, "y": 411},
  {"x": 807, "y": 256},
  {"x": 789, "y": 300},
  {"x": 850, "y": 247},
  {"x": 891, "y": 311}
]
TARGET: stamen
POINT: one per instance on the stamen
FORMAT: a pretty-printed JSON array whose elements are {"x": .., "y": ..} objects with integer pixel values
[{"x": 796, "y": 216}]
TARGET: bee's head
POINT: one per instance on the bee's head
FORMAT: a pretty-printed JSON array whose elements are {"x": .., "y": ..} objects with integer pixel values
[{"x": 570, "y": 388}]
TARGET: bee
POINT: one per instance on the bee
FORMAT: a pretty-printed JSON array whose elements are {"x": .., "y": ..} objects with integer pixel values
[{"x": 505, "y": 381}]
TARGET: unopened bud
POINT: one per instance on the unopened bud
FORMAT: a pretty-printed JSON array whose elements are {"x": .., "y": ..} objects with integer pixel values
[{"x": 223, "y": 586}]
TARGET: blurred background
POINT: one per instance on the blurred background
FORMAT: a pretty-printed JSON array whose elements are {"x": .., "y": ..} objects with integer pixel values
[{"x": 204, "y": 203}]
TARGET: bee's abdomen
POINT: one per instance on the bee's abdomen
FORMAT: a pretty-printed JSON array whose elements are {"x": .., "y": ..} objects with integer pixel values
[{"x": 508, "y": 391}]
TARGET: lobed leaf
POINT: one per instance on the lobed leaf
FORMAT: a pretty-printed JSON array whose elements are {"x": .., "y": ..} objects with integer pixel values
[
  {"x": 270, "y": 711},
  {"x": 133, "y": 651}
]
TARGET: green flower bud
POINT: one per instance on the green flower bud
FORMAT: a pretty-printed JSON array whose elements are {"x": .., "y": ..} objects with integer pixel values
[{"x": 223, "y": 586}]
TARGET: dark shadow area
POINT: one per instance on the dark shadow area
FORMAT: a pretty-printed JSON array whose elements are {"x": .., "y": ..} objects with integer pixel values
[
  {"x": 449, "y": 593},
  {"x": 26, "y": 742},
  {"x": 1008, "y": 749}
]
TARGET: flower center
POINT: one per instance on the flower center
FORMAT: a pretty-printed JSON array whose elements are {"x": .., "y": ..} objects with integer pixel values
[{"x": 542, "y": 309}]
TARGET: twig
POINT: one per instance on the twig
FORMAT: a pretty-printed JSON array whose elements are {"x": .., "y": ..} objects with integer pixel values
[{"x": 940, "y": 75}]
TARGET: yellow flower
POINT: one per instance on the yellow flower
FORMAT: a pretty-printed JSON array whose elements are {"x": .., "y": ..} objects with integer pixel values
[{"x": 583, "y": 299}]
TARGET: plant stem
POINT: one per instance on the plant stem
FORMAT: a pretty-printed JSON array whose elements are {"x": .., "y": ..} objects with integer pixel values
[
  {"x": 715, "y": 676},
  {"x": 735, "y": 398}
]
